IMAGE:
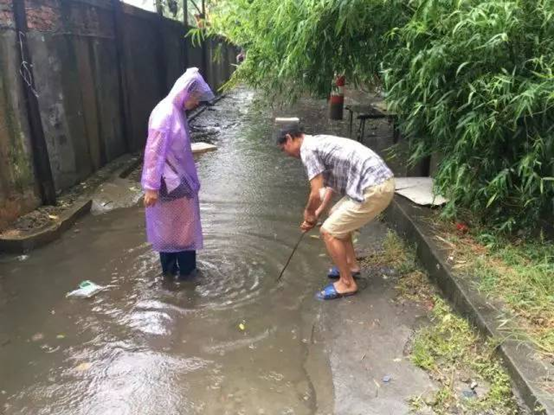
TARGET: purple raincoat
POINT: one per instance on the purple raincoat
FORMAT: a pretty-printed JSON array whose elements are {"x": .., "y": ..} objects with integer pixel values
[{"x": 174, "y": 225}]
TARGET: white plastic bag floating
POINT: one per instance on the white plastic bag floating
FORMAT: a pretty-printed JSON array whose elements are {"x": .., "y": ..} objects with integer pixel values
[{"x": 87, "y": 289}]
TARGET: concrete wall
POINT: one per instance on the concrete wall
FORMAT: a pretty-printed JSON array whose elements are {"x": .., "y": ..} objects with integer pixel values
[
  {"x": 86, "y": 104},
  {"x": 18, "y": 192},
  {"x": 145, "y": 69},
  {"x": 75, "y": 66},
  {"x": 221, "y": 57},
  {"x": 194, "y": 55}
]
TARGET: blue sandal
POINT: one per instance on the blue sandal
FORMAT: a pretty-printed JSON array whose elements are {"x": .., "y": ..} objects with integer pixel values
[
  {"x": 334, "y": 273},
  {"x": 330, "y": 293}
]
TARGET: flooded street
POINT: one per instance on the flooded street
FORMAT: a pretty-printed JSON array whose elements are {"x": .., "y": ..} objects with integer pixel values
[{"x": 232, "y": 342}]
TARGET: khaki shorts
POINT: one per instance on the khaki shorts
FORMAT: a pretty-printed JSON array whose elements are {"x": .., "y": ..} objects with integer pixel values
[{"x": 349, "y": 215}]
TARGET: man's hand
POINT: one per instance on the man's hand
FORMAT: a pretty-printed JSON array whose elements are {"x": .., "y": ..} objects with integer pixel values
[
  {"x": 307, "y": 226},
  {"x": 310, "y": 220},
  {"x": 150, "y": 198},
  {"x": 310, "y": 217}
]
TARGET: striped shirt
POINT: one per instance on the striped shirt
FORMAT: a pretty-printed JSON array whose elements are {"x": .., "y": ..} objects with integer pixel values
[{"x": 348, "y": 167}]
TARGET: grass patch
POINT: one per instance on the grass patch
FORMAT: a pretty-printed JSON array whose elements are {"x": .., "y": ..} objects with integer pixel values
[
  {"x": 456, "y": 357},
  {"x": 517, "y": 272},
  {"x": 395, "y": 254},
  {"x": 413, "y": 284}
]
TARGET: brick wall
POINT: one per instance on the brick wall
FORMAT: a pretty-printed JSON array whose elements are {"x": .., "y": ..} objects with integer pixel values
[
  {"x": 6, "y": 14},
  {"x": 43, "y": 15}
]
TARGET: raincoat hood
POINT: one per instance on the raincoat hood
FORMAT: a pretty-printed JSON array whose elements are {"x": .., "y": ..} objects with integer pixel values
[{"x": 191, "y": 82}]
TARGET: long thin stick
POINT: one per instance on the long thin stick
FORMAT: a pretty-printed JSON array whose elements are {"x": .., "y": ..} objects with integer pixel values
[{"x": 290, "y": 257}]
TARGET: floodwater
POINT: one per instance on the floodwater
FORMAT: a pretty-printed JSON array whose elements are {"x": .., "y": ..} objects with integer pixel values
[{"x": 232, "y": 342}]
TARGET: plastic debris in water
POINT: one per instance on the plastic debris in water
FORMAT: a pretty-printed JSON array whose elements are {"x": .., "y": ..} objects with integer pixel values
[
  {"x": 86, "y": 289},
  {"x": 242, "y": 327}
]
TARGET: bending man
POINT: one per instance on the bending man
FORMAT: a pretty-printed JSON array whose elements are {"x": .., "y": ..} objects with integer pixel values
[{"x": 353, "y": 171}]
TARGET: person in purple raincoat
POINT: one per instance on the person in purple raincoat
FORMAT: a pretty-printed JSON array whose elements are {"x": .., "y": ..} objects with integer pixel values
[{"x": 169, "y": 178}]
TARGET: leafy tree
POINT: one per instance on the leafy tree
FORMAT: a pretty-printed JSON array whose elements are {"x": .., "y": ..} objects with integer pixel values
[
  {"x": 471, "y": 80},
  {"x": 299, "y": 45}
]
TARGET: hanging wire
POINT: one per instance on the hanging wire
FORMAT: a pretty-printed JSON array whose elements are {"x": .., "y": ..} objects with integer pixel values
[{"x": 25, "y": 70}]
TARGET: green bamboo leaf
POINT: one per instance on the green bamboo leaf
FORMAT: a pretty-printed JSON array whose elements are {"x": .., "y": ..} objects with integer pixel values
[{"x": 461, "y": 67}]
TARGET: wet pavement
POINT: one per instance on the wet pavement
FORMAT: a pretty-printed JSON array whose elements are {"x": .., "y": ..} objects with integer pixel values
[
  {"x": 368, "y": 341},
  {"x": 233, "y": 341}
]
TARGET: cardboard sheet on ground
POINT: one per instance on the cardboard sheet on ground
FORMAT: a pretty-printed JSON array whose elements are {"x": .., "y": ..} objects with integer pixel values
[{"x": 419, "y": 190}]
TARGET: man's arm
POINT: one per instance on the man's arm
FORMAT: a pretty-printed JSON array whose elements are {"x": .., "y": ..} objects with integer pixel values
[
  {"x": 324, "y": 202},
  {"x": 314, "y": 201}
]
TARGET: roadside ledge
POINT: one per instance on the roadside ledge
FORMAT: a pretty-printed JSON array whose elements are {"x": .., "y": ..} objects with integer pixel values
[
  {"x": 17, "y": 241},
  {"x": 22, "y": 242},
  {"x": 525, "y": 368}
]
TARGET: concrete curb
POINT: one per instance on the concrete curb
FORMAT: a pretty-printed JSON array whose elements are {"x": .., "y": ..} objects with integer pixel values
[
  {"x": 524, "y": 367},
  {"x": 203, "y": 108},
  {"x": 27, "y": 241},
  {"x": 131, "y": 167}
]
